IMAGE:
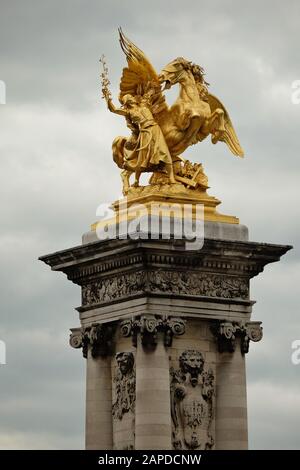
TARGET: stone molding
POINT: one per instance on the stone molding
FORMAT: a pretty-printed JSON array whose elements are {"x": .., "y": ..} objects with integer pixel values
[
  {"x": 171, "y": 260},
  {"x": 83, "y": 264}
]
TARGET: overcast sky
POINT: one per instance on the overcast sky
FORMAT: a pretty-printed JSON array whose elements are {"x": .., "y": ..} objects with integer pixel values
[{"x": 56, "y": 167}]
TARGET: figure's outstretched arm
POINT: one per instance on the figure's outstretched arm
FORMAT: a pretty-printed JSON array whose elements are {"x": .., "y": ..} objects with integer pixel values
[{"x": 112, "y": 108}]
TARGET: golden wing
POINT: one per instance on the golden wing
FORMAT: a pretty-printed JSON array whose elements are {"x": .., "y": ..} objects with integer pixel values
[
  {"x": 230, "y": 138},
  {"x": 140, "y": 75}
]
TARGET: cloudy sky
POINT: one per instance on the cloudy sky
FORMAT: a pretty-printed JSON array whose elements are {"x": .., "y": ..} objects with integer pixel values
[{"x": 56, "y": 167}]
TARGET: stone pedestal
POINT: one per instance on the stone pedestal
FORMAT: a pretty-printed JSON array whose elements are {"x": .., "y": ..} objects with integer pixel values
[{"x": 165, "y": 331}]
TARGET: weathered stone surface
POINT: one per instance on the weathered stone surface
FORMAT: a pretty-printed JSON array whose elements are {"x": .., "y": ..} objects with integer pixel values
[
  {"x": 149, "y": 327},
  {"x": 171, "y": 283},
  {"x": 97, "y": 336},
  {"x": 192, "y": 403},
  {"x": 226, "y": 333},
  {"x": 106, "y": 259},
  {"x": 165, "y": 331},
  {"x": 124, "y": 397}
]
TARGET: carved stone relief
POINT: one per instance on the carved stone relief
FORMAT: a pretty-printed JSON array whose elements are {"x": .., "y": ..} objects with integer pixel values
[
  {"x": 123, "y": 406},
  {"x": 192, "y": 396},
  {"x": 164, "y": 282},
  {"x": 205, "y": 284},
  {"x": 109, "y": 289},
  {"x": 124, "y": 385}
]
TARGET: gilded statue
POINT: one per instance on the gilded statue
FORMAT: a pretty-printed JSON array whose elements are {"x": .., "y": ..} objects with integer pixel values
[{"x": 159, "y": 134}]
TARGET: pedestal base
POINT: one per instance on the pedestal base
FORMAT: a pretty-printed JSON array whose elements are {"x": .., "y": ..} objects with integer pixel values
[
  {"x": 165, "y": 331},
  {"x": 168, "y": 200}
]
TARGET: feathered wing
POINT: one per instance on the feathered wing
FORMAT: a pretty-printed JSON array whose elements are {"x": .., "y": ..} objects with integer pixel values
[
  {"x": 140, "y": 76},
  {"x": 230, "y": 137}
]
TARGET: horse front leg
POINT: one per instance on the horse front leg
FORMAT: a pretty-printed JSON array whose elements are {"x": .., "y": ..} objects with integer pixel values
[
  {"x": 137, "y": 178},
  {"x": 125, "y": 175}
]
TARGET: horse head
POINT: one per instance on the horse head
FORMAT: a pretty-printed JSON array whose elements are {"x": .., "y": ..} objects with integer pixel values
[{"x": 175, "y": 72}]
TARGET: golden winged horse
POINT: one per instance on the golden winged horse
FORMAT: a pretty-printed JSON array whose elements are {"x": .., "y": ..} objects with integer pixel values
[{"x": 159, "y": 133}]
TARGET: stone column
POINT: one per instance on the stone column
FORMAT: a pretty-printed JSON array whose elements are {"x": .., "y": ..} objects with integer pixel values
[
  {"x": 96, "y": 344},
  {"x": 153, "y": 412},
  {"x": 231, "y": 402},
  {"x": 152, "y": 335},
  {"x": 98, "y": 431},
  {"x": 231, "y": 394}
]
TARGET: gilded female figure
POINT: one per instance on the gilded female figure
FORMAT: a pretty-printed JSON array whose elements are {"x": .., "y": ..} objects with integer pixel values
[{"x": 146, "y": 149}]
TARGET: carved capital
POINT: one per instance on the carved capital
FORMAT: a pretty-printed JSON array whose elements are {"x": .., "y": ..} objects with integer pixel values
[
  {"x": 149, "y": 326},
  {"x": 226, "y": 336},
  {"x": 227, "y": 332},
  {"x": 76, "y": 338},
  {"x": 251, "y": 331},
  {"x": 99, "y": 337},
  {"x": 172, "y": 327}
]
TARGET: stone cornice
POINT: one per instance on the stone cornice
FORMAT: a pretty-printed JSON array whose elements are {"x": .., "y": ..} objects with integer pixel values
[{"x": 103, "y": 258}]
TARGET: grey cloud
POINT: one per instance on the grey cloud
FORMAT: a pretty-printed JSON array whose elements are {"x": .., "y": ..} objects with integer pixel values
[{"x": 56, "y": 167}]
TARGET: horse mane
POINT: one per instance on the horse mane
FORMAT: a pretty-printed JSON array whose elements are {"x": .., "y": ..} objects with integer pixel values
[
  {"x": 197, "y": 71},
  {"x": 199, "y": 74}
]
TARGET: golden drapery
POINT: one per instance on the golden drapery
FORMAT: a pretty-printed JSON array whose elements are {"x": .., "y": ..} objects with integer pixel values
[{"x": 151, "y": 148}]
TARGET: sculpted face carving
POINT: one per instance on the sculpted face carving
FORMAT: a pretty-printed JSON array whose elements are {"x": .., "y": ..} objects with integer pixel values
[
  {"x": 125, "y": 362},
  {"x": 191, "y": 361},
  {"x": 128, "y": 101}
]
